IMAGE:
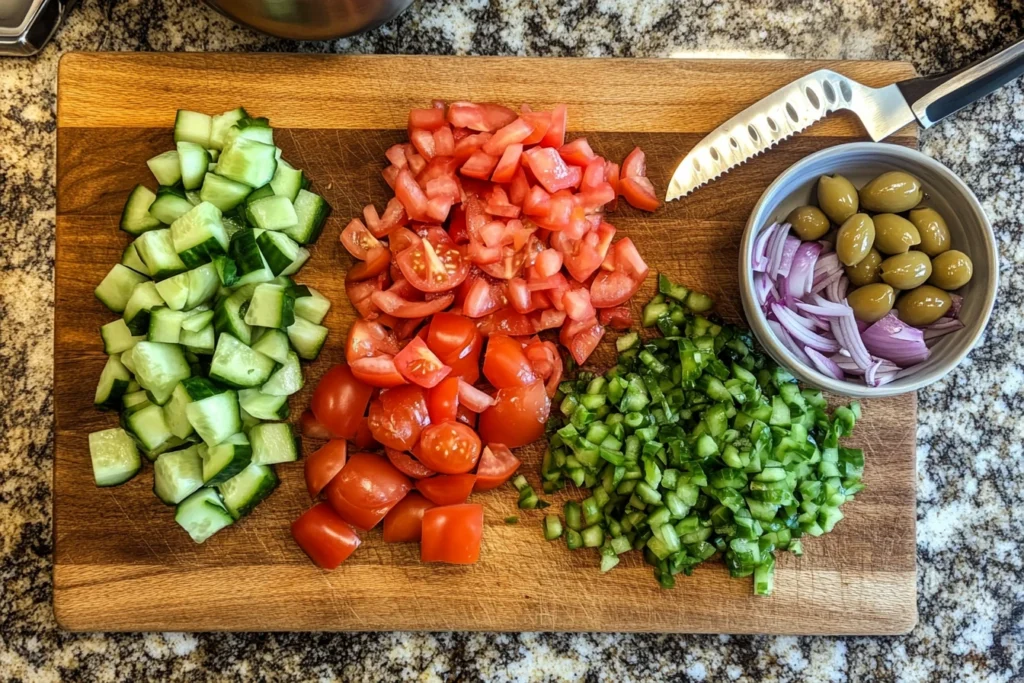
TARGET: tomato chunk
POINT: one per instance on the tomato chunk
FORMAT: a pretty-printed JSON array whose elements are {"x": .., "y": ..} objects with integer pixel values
[
  {"x": 473, "y": 398},
  {"x": 497, "y": 465},
  {"x": 517, "y": 417},
  {"x": 505, "y": 363},
  {"x": 377, "y": 371},
  {"x": 418, "y": 364},
  {"x": 639, "y": 192},
  {"x": 311, "y": 428},
  {"x": 404, "y": 523},
  {"x": 398, "y": 417},
  {"x": 395, "y": 305},
  {"x": 323, "y": 464},
  {"x": 367, "y": 339},
  {"x": 449, "y": 448},
  {"x": 408, "y": 465},
  {"x": 452, "y": 534},
  {"x": 443, "y": 401},
  {"x": 449, "y": 489},
  {"x": 324, "y": 536},
  {"x": 551, "y": 170},
  {"x": 339, "y": 401}
]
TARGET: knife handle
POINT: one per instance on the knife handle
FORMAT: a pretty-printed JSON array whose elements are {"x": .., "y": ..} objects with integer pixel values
[{"x": 933, "y": 98}]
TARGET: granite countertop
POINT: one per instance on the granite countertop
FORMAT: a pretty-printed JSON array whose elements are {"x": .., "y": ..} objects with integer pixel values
[{"x": 971, "y": 597}]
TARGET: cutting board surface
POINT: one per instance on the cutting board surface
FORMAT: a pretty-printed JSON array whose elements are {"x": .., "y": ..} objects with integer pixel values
[{"x": 120, "y": 561}]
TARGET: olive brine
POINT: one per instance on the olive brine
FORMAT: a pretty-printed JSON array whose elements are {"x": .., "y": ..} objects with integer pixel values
[
  {"x": 212, "y": 329},
  {"x": 893, "y": 251},
  {"x": 695, "y": 445}
]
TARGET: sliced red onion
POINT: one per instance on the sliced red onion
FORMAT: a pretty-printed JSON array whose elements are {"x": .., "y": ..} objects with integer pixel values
[
  {"x": 818, "y": 321},
  {"x": 844, "y": 328},
  {"x": 760, "y": 257},
  {"x": 825, "y": 365},
  {"x": 824, "y": 308},
  {"x": 871, "y": 373},
  {"x": 941, "y": 328},
  {"x": 896, "y": 341},
  {"x": 801, "y": 273},
  {"x": 954, "y": 308},
  {"x": 826, "y": 246},
  {"x": 836, "y": 290},
  {"x": 788, "y": 253},
  {"x": 827, "y": 264},
  {"x": 846, "y": 364},
  {"x": 794, "y": 325},
  {"x": 762, "y": 287},
  {"x": 776, "y": 243},
  {"x": 885, "y": 377},
  {"x": 825, "y": 281},
  {"x": 787, "y": 341}
]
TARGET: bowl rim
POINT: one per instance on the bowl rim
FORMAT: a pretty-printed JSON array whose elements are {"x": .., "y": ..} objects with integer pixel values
[{"x": 758, "y": 323}]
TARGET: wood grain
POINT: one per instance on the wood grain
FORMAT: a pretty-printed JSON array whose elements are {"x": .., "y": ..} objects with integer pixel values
[{"x": 121, "y": 563}]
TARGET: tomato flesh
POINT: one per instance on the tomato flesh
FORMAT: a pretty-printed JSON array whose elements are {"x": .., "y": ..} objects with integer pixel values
[
  {"x": 398, "y": 417},
  {"x": 357, "y": 239},
  {"x": 323, "y": 464},
  {"x": 447, "y": 489},
  {"x": 408, "y": 465},
  {"x": 339, "y": 401},
  {"x": 452, "y": 534},
  {"x": 404, "y": 523},
  {"x": 517, "y": 417},
  {"x": 324, "y": 536},
  {"x": 418, "y": 364},
  {"x": 443, "y": 401},
  {"x": 449, "y": 448},
  {"x": 433, "y": 265},
  {"x": 505, "y": 363},
  {"x": 497, "y": 465}
]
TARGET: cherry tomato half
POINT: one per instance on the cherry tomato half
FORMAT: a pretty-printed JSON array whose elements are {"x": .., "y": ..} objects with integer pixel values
[
  {"x": 449, "y": 448},
  {"x": 443, "y": 401},
  {"x": 367, "y": 339},
  {"x": 447, "y": 489},
  {"x": 323, "y": 464},
  {"x": 497, "y": 465},
  {"x": 404, "y": 523},
  {"x": 452, "y": 534},
  {"x": 433, "y": 265},
  {"x": 408, "y": 465},
  {"x": 339, "y": 401},
  {"x": 324, "y": 536},
  {"x": 506, "y": 364},
  {"x": 418, "y": 364},
  {"x": 369, "y": 481},
  {"x": 398, "y": 417},
  {"x": 517, "y": 416}
]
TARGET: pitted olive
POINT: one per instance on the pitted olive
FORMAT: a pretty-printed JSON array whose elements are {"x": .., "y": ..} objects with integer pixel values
[
  {"x": 809, "y": 222},
  {"x": 870, "y": 303},
  {"x": 932, "y": 228},
  {"x": 855, "y": 239},
  {"x": 906, "y": 271},
  {"x": 837, "y": 197},
  {"x": 923, "y": 305},
  {"x": 951, "y": 270},
  {"x": 891, "y": 192},
  {"x": 867, "y": 271},
  {"x": 894, "y": 234}
]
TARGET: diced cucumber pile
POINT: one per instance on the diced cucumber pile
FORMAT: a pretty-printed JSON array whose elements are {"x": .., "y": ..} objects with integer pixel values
[{"x": 212, "y": 329}]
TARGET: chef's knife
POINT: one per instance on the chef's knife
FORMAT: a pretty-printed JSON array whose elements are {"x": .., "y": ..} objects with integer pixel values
[{"x": 883, "y": 111}]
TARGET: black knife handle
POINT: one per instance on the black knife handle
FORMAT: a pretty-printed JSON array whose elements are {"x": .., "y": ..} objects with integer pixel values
[{"x": 933, "y": 98}]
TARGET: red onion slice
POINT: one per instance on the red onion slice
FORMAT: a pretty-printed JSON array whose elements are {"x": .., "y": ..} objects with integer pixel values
[
  {"x": 825, "y": 281},
  {"x": 776, "y": 244},
  {"x": 896, "y": 341},
  {"x": 787, "y": 341},
  {"x": 826, "y": 265},
  {"x": 760, "y": 257},
  {"x": 788, "y": 253},
  {"x": 954, "y": 308},
  {"x": 825, "y": 365},
  {"x": 801, "y": 273},
  {"x": 803, "y": 336},
  {"x": 844, "y": 329},
  {"x": 941, "y": 328}
]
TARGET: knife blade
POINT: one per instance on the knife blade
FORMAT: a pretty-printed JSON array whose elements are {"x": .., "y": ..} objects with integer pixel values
[
  {"x": 786, "y": 112},
  {"x": 883, "y": 111}
]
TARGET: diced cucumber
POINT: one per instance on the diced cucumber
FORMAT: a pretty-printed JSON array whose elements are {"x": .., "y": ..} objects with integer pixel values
[
  {"x": 273, "y": 344},
  {"x": 199, "y": 235},
  {"x": 201, "y": 342},
  {"x": 254, "y": 196},
  {"x": 197, "y": 319},
  {"x": 263, "y": 406},
  {"x": 156, "y": 249},
  {"x": 145, "y": 297},
  {"x": 271, "y": 306},
  {"x": 248, "y": 421},
  {"x": 242, "y": 492},
  {"x": 226, "y": 459},
  {"x": 228, "y": 317},
  {"x": 273, "y": 443},
  {"x": 127, "y": 360},
  {"x": 115, "y": 459},
  {"x": 158, "y": 367},
  {"x": 281, "y": 252},
  {"x": 203, "y": 283},
  {"x": 227, "y": 271},
  {"x": 135, "y": 399},
  {"x": 272, "y": 213},
  {"x": 116, "y": 288},
  {"x": 150, "y": 427},
  {"x": 215, "y": 417},
  {"x": 287, "y": 379},
  {"x": 287, "y": 180},
  {"x": 130, "y": 258},
  {"x": 248, "y": 161},
  {"x": 311, "y": 304},
  {"x": 176, "y": 415},
  {"x": 236, "y": 365},
  {"x": 252, "y": 129},
  {"x": 307, "y": 338},
  {"x": 191, "y": 126},
  {"x": 169, "y": 205},
  {"x": 166, "y": 168},
  {"x": 113, "y": 384},
  {"x": 312, "y": 212},
  {"x": 202, "y": 515},
  {"x": 199, "y": 388},
  {"x": 222, "y": 192},
  {"x": 177, "y": 475},
  {"x": 174, "y": 291},
  {"x": 246, "y": 252},
  {"x": 117, "y": 338},
  {"x": 220, "y": 125},
  {"x": 164, "y": 325},
  {"x": 194, "y": 162},
  {"x": 135, "y": 218}
]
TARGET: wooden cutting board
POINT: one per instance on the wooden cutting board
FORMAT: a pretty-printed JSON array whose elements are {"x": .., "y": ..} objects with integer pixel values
[{"x": 120, "y": 561}]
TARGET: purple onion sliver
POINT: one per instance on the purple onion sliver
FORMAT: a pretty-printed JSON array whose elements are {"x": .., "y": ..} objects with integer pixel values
[
  {"x": 788, "y": 252},
  {"x": 805, "y": 337},
  {"x": 825, "y": 365},
  {"x": 827, "y": 263},
  {"x": 896, "y": 341},
  {"x": 846, "y": 333},
  {"x": 871, "y": 373},
  {"x": 825, "y": 309},
  {"x": 941, "y": 328},
  {"x": 885, "y": 377},
  {"x": 801, "y": 273},
  {"x": 954, "y": 308},
  {"x": 787, "y": 341},
  {"x": 775, "y": 246},
  {"x": 825, "y": 282},
  {"x": 760, "y": 258}
]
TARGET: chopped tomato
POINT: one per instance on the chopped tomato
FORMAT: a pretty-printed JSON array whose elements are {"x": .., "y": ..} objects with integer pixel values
[
  {"x": 364, "y": 439},
  {"x": 555, "y": 134},
  {"x": 365, "y": 489},
  {"x": 513, "y": 133},
  {"x": 339, "y": 401},
  {"x": 367, "y": 339},
  {"x": 311, "y": 428},
  {"x": 423, "y": 141},
  {"x": 519, "y": 295},
  {"x": 408, "y": 465},
  {"x": 396, "y": 155},
  {"x": 618, "y": 318},
  {"x": 517, "y": 417},
  {"x": 443, "y": 400},
  {"x": 479, "y": 165},
  {"x": 398, "y": 417},
  {"x": 428, "y": 119},
  {"x": 581, "y": 338},
  {"x": 468, "y": 146},
  {"x": 639, "y": 192},
  {"x": 434, "y": 264},
  {"x": 481, "y": 299},
  {"x": 508, "y": 164},
  {"x": 520, "y": 186},
  {"x": 377, "y": 261},
  {"x": 551, "y": 170},
  {"x": 450, "y": 489},
  {"x": 466, "y": 417},
  {"x": 540, "y": 121},
  {"x": 408, "y": 191},
  {"x": 449, "y": 448},
  {"x": 505, "y": 363},
  {"x": 577, "y": 304},
  {"x": 323, "y": 464},
  {"x": 458, "y": 343},
  {"x": 484, "y": 116},
  {"x": 548, "y": 263},
  {"x": 508, "y": 266},
  {"x": 452, "y": 534},
  {"x": 377, "y": 371},
  {"x": 404, "y": 524},
  {"x": 444, "y": 142},
  {"x": 506, "y": 321},
  {"x": 613, "y": 288},
  {"x": 497, "y": 465},
  {"x": 357, "y": 239},
  {"x": 419, "y": 365},
  {"x": 393, "y": 304},
  {"x": 635, "y": 164},
  {"x": 577, "y": 152},
  {"x": 547, "y": 319},
  {"x": 324, "y": 536},
  {"x": 472, "y": 398}
]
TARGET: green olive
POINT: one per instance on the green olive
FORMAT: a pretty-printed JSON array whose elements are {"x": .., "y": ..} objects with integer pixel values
[
  {"x": 923, "y": 305},
  {"x": 871, "y": 302},
  {"x": 932, "y": 228},
  {"x": 855, "y": 238},
  {"x": 837, "y": 197},
  {"x": 906, "y": 271},
  {"x": 809, "y": 222},
  {"x": 866, "y": 271},
  {"x": 951, "y": 270},
  {"x": 894, "y": 234},
  {"x": 891, "y": 192}
]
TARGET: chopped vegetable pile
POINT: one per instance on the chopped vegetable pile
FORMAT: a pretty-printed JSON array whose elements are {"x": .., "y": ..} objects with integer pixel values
[
  {"x": 206, "y": 353},
  {"x": 693, "y": 445}
]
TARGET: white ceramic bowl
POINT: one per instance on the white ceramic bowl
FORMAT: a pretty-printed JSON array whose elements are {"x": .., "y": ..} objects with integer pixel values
[{"x": 969, "y": 229}]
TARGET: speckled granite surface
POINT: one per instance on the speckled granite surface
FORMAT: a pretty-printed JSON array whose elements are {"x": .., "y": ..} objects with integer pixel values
[{"x": 970, "y": 440}]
